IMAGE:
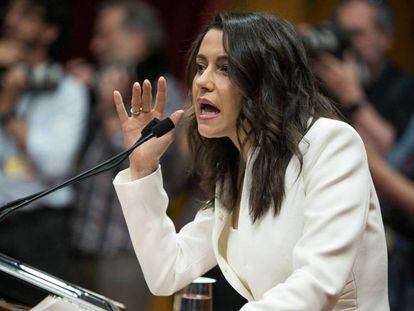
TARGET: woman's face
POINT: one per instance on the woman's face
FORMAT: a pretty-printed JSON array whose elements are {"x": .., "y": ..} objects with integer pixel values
[{"x": 216, "y": 100}]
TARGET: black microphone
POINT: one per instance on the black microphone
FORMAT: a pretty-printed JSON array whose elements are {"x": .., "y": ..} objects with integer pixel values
[
  {"x": 155, "y": 128},
  {"x": 148, "y": 128},
  {"x": 163, "y": 127}
]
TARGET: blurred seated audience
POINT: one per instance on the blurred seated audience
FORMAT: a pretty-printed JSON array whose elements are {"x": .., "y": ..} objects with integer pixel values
[
  {"x": 376, "y": 94},
  {"x": 129, "y": 37},
  {"x": 394, "y": 176},
  {"x": 42, "y": 121},
  {"x": 378, "y": 99},
  {"x": 394, "y": 180},
  {"x": 127, "y": 43}
]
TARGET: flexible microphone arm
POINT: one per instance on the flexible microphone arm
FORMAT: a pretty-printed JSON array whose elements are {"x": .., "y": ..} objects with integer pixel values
[{"x": 153, "y": 129}]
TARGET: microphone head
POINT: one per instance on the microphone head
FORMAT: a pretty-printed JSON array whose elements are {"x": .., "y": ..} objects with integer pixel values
[
  {"x": 148, "y": 128},
  {"x": 163, "y": 127}
]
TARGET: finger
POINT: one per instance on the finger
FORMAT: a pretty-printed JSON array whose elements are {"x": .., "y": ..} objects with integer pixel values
[
  {"x": 349, "y": 57},
  {"x": 146, "y": 96},
  {"x": 161, "y": 97},
  {"x": 324, "y": 67},
  {"x": 120, "y": 108},
  {"x": 175, "y": 117},
  {"x": 330, "y": 60},
  {"x": 136, "y": 97}
]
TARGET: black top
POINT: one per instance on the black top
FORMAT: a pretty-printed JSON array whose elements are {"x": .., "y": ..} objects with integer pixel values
[{"x": 392, "y": 95}]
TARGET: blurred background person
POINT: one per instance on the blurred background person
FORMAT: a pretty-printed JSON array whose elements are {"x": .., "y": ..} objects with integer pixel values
[
  {"x": 183, "y": 20},
  {"x": 127, "y": 42},
  {"x": 376, "y": 95},
  {"x": 378, "y": 99},
  {"x": 42, "y": 120},
  {"x": 394, "y": 179},
  {"x": 128, "y": 39}
]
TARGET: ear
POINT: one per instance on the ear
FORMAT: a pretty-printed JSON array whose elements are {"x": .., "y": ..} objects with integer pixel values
[{"x": 50, "y": 34}]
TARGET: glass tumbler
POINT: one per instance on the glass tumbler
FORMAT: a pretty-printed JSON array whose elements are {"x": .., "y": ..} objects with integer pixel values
[{"x": 197, "y": 296}]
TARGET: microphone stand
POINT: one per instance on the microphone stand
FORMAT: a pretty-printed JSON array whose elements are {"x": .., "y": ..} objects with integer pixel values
[{"x": 155, "y": 128}]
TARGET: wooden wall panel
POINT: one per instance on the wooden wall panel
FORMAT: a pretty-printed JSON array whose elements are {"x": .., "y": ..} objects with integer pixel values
[
  {"x": 293, "y": 10},
  {"x": 315, "y": 11},
  {"x": 403, "y": 50}
]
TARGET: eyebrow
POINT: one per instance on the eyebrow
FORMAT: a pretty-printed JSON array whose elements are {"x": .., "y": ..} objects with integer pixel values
[{"x": 218, "y": 59}]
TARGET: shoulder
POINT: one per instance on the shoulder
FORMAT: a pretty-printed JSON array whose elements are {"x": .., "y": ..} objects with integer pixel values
[
  {"x": 397, "y": 73},
  {"x": 72, "y": 87},
  {"x": 399, "y": 82},
  {"x": 70, "y": 92},
  {"x": 324, "y": 129},
  {"x": 332, "y": 137},
  {"x": 69, "y": 100}
]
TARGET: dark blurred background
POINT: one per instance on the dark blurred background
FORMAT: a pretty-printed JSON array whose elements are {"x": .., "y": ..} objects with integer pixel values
[
  {"x": 183, "y": 19},
  {"x": 95, "y": 242}
]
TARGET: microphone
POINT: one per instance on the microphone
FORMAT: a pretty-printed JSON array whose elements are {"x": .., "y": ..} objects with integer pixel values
[
  {"x": 155, "y": 128},
  {"x": 163, "y": 127}
]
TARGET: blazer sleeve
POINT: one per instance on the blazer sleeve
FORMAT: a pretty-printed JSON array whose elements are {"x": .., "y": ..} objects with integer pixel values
[
  {"x": 337, "y": 187},
  {"x": 169, "y": 260}
]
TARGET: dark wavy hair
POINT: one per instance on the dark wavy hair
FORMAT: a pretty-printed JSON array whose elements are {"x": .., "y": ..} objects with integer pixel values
[{"x": 268, "y": 64}]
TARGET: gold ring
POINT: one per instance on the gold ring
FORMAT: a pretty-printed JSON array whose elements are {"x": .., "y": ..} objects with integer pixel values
[{"x": 136, "y": 113}]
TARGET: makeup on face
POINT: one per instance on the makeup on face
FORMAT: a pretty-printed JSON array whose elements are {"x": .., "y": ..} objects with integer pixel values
[{"x": 216, "y": 100}]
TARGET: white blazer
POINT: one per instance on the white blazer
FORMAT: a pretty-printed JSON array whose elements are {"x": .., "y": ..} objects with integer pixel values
[{"x": 326, "y": 249}]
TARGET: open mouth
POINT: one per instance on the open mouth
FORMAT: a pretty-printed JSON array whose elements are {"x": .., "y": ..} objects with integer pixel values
[{"x": 207, "y": 109}]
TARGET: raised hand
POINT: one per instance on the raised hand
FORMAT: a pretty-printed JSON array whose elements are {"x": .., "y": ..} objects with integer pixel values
[
  {"x": 340, "y": 77},
  {"x": 10, "y": 53},
  {"x": 145, "y": 159}
]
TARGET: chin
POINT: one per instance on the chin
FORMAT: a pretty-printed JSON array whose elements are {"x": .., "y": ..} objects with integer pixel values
[{"x": 207, "y": 132}]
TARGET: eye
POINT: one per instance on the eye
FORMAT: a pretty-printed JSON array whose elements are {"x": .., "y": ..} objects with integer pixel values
[
  {"x": 200, "y": 68},
  {"x": 224, "y": 68}
]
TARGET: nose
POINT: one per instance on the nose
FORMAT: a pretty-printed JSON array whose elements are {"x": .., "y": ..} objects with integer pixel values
[{"x": 205, "y": 80}]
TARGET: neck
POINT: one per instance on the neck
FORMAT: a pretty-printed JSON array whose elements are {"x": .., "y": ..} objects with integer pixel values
[
  {"x": 243, "y": 140},
  {"x": 245, "y": 147},
  {"x": 245, "y": 151},
  {"x": 376, "y": 69}
]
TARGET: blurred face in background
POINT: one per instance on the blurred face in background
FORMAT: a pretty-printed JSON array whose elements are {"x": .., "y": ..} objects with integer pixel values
[
  {"x": 112, "y": 42},
  {"x": 216, "y": 100},
  {"x": 25, "y": 24},
  {"x": 369, "y": 41}
]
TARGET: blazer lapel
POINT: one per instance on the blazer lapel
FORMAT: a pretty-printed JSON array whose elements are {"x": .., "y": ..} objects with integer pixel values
[{"x": 222, "y": 222}]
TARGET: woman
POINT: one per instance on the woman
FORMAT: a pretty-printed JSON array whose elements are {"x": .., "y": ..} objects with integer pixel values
[{"x": 292, "y": 219}]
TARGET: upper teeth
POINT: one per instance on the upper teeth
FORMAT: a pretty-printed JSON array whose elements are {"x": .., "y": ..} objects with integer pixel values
[{"x": 208, "y": 109}]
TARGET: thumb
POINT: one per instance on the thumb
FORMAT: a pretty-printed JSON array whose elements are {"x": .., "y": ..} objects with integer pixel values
[
  {"x": 176, "y": 116},
  {"x": 349, "y": 57}
]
